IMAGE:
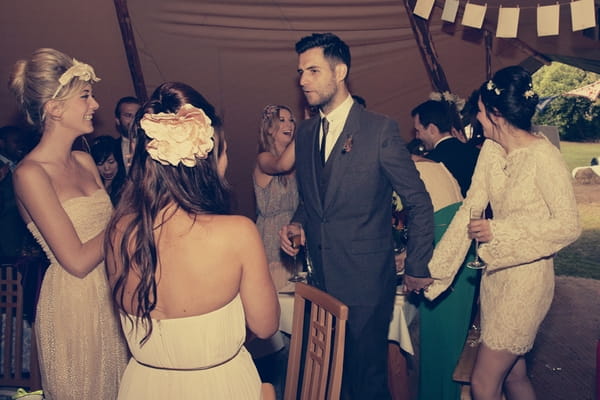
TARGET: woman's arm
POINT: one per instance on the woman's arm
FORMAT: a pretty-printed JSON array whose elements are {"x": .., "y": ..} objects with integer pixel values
[
  {"x": 520, "y": 239},
  {"x": 269, "y": 164},
  {"x": 256, "y": 288},
  {"x": 38, "y": 199}
]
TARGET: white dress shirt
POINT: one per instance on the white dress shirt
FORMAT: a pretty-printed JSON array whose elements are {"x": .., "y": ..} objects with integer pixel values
[{"x": 337, "y": 119}]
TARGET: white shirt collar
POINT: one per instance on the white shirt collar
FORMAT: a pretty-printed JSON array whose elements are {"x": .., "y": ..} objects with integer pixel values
[
  {"x": 337, "y": 119},
  {"x": 441, "y": 140}
]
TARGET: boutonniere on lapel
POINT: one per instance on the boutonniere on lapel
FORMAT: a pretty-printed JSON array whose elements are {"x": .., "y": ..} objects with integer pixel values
[{"x": 348, "y": 145}]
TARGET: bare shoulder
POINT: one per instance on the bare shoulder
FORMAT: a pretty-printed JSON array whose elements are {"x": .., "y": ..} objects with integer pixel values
[
  {"x": 84, "y": 158},
  {"x": 239, "y": 223},
  {"x": 30, "y": 171}
]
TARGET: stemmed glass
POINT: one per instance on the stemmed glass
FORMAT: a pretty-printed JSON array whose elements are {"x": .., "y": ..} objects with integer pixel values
[
  {"x": 476, "y": 214},
  {"x": 296, "y": 241}
]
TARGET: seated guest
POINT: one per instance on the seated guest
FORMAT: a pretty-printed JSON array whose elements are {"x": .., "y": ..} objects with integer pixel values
[
  {"x": 105, "y": 152},
  {"x": 185, "y": 284},
  {"x": 433, "y": 123}
]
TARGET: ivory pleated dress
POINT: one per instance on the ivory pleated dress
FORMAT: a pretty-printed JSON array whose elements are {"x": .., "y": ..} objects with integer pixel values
[
  {"x": 198, "y": 357},
  {"x": 82, "y": 352}
]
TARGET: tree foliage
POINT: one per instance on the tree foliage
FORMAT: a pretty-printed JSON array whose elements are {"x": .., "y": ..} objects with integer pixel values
[{"x": 577, "y": 118}]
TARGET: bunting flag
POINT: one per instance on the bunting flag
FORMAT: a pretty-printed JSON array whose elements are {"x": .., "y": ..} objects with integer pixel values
[
  {"x": 423, "y": 8},
  {"x": 583, "y": 16},
  {"x": 450, "y": 11},
  {"x": 474, "y": 15},
  {"x": 508, "y": 22},
  {"x": 547, "y": 20}
]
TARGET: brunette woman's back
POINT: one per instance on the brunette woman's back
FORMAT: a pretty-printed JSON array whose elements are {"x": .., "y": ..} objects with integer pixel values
[{"x": 210, "y": 280}]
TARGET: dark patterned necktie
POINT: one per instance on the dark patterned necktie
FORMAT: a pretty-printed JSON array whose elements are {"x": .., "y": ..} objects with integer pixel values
[{"x": 325, "y": 124}]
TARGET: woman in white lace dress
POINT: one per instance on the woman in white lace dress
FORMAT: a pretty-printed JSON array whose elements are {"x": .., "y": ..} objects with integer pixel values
[{"x": 525, "y": 179}]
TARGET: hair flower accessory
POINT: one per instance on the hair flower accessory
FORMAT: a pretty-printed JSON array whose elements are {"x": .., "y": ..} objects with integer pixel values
[
  {"x": 451, "y": 98},
  {"x": 348, "y": 145},
  {"x": 529, "y": 93},
  {"x": 80, "y": 70},
  {"x": 492, "y": 86},
  {"x": 179, "y": 138}
]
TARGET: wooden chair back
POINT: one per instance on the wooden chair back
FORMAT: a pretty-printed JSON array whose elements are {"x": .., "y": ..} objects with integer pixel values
[
  {"x": 12, "y": 371},
  {"x": 324, "y": 355}
]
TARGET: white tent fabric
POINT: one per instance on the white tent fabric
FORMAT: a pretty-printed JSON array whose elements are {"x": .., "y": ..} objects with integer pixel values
[{"x": 240, "y": 54}]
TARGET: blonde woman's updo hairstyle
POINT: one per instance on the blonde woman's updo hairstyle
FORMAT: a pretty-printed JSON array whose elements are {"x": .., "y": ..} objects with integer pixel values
[
  {"x": 510, "y": 94},
  {"x": 36, "y": 81},
  {"x": 155, "y": 185}
]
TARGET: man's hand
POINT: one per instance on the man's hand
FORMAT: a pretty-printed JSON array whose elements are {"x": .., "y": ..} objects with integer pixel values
[
  {"x": 413, "y": 284},
  {"x": 399, "y": 259},
  {"x": 286, "y": 232}
]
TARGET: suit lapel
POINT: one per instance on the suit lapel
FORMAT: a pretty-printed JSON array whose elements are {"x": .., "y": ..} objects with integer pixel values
[
  {"x": 310, "y": 157},
  {"x": 340, "y": 159}
]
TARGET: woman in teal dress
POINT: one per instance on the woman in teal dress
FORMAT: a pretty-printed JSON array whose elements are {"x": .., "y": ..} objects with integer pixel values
[{"x": 444, "y": 322}]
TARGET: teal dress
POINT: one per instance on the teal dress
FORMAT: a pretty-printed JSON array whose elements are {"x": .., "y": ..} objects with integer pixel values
[{"x": 444, "y": 324}]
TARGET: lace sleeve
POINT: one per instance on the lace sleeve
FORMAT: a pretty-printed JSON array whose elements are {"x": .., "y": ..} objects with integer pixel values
[
  {"x": 450, "y": 252},
  {"x": 554, "y": 224}
]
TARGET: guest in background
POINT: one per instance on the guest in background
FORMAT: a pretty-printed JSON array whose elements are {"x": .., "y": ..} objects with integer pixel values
[
  {"x": 524, "y": 178},
  {"x": 275, "y": 186},
  {"x": 12, "y": 228},
  {"x": 443, "y": 323},
  {"x": 61, "y": 199},
  {"x": 276, "y": 200},
  {"x": 105, "y": 152},
  {"x": 433, "y": 123},
  {"x": 124, "y": 114},
  {"x": 187, "y": 276}
]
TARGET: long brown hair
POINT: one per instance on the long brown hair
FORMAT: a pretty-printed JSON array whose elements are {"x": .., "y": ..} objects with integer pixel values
[{"x": 150, "y": 188}]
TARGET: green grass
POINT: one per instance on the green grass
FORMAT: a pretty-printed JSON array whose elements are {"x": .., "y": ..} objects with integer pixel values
[
  {"x": 582, "y": 258},
  {"x": 579, "y": 154}
]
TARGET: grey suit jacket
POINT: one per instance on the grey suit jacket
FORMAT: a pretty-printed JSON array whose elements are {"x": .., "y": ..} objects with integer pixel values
[{"x": 348, "y": 226}]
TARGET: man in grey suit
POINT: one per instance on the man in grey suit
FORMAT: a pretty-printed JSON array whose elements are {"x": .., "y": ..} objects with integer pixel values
[{"x": 348, "y": 160}]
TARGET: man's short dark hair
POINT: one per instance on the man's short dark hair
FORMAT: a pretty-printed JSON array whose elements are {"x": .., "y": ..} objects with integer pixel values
[
  {"x": 434, "y": 112},
  {"x": 125, "y": 100},
  {"x": 333, "y": 47}
]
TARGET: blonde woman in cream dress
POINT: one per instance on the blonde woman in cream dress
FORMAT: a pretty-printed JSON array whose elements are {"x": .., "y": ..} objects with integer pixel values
[
  {"x": 524, "y": 179},
  {"x": 60, "y": 195}
]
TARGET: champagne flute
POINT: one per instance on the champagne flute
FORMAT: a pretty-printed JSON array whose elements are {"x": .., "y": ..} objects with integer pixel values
[
  {"x": 476, "y": 214},
  {"x": 296, "y": 240}
]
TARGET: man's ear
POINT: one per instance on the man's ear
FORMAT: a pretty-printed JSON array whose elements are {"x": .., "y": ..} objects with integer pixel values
[
  {"x": 117, "y": 122},
  {"x": 54, "y": 109},
  {"x": 341, "y": 71}
]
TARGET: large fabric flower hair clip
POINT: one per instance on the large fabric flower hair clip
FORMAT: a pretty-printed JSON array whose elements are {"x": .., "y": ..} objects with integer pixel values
[
  {"x": 82, "y": 71},
  {"x": 183, "y": 137}
]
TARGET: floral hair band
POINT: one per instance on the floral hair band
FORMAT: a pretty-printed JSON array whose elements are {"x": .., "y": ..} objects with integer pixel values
[
  {"x": 80, "y": 70},
  {"x": 458, "y": 102},
  {"x": 183, "y": 137}
]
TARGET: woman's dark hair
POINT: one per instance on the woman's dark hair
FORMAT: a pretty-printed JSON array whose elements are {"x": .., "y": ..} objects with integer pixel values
[
  {"x": 151, "y": 188},
  {"x": 102, "y": 148},
  {"x": 510, "y": 94}
]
